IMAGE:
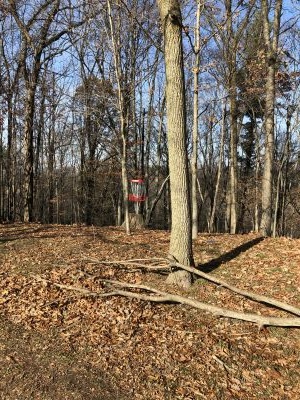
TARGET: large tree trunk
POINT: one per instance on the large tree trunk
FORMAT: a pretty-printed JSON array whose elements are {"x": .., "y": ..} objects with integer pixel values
[
  {"x": 272, "y": 48},
  {"x": 181, "y": 235}
]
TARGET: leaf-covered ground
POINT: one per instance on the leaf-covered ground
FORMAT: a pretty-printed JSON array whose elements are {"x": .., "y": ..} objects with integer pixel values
[{"x": 58, "y": 344}]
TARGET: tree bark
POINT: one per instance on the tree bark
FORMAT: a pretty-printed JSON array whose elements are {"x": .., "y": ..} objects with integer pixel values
[
  {"x": 181, "y": 235},
  {"x": 211, "y": 225},
  {"x": 232, "y": 89},
  {"x": 272, "y": 49},
  {"x": 123, "y": 110},
  {"x": 29, "y": 152},
  {"x": 281, "y": 181},
  {"x": 195, "y": 123}
]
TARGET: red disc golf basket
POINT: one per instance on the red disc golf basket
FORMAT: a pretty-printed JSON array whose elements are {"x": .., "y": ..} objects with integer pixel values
[{"x": 138, "y": 193}]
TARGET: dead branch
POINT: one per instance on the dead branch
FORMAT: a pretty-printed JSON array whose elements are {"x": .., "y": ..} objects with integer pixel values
[
  {"x": 218, "y": 311},
  {"x": 163, "y": 297},
  {"x": 250, "y": 295},
  {"x": 171, "y": 263}
]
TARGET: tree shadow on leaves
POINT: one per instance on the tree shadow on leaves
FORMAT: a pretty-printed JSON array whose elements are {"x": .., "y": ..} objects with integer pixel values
[{"x": 217, "y": 262}]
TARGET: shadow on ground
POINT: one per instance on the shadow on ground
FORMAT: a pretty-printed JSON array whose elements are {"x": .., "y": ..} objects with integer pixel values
[{"x": 217, "y": 262}]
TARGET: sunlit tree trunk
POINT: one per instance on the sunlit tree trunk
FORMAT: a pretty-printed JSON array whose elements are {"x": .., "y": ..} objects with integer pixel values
[
  {"x": 271, "y": 44},
  {"x": 123, "y": 110},
  {"x": 181, "y": 235},
  {"x": 194, "y": 160},
  {"x": 257, "y": 169},
  {"x": 232, "y": 89}
]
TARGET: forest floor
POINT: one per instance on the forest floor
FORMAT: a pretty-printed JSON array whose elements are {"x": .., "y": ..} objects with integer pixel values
[{"x": 58, "y": 344}]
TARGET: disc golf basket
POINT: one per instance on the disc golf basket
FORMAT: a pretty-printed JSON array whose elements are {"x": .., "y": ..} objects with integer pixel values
[{"x": 138, "y": 193}]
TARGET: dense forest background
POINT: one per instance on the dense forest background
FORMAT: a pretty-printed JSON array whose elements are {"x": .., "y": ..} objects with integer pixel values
[{"x": 82, "y": 91}]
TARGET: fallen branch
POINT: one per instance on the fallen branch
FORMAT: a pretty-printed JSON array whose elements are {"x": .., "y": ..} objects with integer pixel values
[
  {"x": 218, "y": 311},
  {"x": 163, "y": 297},
  {"x": 250, "y": 295}
]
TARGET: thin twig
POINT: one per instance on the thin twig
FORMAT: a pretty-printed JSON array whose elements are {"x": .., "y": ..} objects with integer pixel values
[{"x": 135, "y": 260}]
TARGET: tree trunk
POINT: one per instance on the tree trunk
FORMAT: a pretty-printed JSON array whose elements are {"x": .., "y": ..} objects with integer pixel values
[
  {"x": 146, "y": 148},
  {"x": 272, "y": 49},
  {"x": 154, "y": 202},
  {"x": 233, "y": 159},
  {"x": 2, "y": 182},
  {"x": 195, "y": 124},
  {"x": 51, "y": 165},
  {"x": 231, "y": 47},
  {"x": 29, "y": 155},
  {"x": 181, "y": 235},
  {"x": 211, "y": 225},
  {"x": 10, "y": 156},
  {"x": 257, "y": 168},
  {"x": 281, "y": 181},
  {"x": 125, "y": 177},
  {"x": 123, "y": 111}
]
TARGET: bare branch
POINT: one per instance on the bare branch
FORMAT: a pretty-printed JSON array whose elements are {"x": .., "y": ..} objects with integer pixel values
[
  {"x": 163, "y": 297},
  {"x": 245, "y": 293},
  {"x": 172, "y": 263}
]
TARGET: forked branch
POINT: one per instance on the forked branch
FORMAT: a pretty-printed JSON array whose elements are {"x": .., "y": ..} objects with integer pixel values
[
  {"x": 134, "y": 291},
  {"x": 139, "y": 264},
  {"x": 250, "y": 295}
]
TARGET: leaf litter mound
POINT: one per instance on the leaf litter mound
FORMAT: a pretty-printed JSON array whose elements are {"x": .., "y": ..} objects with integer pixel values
[{"x": 61, "y": 344}]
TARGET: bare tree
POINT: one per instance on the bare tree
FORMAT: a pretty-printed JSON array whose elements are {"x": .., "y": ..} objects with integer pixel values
[{"x": 36, "y": 37}]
